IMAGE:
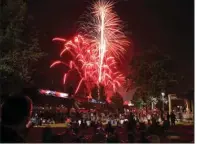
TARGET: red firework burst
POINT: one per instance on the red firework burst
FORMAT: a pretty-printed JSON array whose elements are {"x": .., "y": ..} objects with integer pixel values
[
  {"x": 95, "y": 54},
  {"x": 86, "y": 62}
]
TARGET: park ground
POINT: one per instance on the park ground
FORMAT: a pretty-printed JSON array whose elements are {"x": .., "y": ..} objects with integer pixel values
[{"x": 181, "y": 133}]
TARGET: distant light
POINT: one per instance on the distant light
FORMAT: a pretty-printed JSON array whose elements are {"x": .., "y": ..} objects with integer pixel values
[
  {"x": 53, "y": 93},
  {"x": 130, "y": 104},
  {"x": 163, "y": 94},
  {"x": 63, "y": 95}
]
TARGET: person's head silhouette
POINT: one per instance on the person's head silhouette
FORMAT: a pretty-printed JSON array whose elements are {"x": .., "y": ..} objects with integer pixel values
[{"x": 16, "y": 112}]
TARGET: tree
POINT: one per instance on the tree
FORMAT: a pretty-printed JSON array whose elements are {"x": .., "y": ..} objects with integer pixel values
[
  {"x": 19, "y": 46},
  {"x": 138, "y": 98},
  {"x": 70, "y": 90},
  {"x": 117, "y": 101},
  {"x": 98, "y": 93},
  {"x": 94, "y": 92},
  {"x": 152, "y": 73}
]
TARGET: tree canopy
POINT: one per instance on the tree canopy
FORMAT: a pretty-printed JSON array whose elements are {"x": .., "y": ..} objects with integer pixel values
[
  {"x": 151, "y": 72},
  {"x": 19, "y": 46},
  {"x": 117, "y": 101},
  {"x": 98, "y": 93}
]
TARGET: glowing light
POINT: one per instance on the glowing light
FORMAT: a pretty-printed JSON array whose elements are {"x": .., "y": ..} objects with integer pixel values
[
  {"x": 130, "y": 104},
  {"x": 53, "y": 93}
]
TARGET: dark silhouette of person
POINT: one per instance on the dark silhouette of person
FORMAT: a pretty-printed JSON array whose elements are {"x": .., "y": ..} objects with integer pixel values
[
  {"x": 70, "y": 90},
  {"x": 168, "y": 119},
  {"x": 47, "y": 135},
  {"x": 173, "y": 118},
  {"x": 162, "y": 114},
  {"x": 131, "y": 137},
  {"x": 143, "y": 138},
  {"x": 16, "y": 112},
  {"x": 57, "y": 139},
  {"x": 112, "y": 138},
  {"x": 165, "y": 125},
  {"x": 109, "y": 128},
  {"x": 131, "y": 125},
  {"x": 142, "y": 127},
  {"x": 180, "y": 116}
]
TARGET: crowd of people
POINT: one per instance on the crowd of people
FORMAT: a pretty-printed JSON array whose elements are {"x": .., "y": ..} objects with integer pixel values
[{"x": 16, "y": 120}]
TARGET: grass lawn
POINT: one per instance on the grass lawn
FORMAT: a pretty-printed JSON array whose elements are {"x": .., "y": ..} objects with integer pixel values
[
  {"x": 53, "y": 125},
  {"x": 65, "y": 125},
  {"x": 185, "y": 123}
]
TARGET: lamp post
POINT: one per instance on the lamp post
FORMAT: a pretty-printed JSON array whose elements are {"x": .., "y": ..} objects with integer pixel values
[
  {"x": 169, "y": 103},
  {"x": 163, "y": 94},
  {"x": 162, "y": 112}
]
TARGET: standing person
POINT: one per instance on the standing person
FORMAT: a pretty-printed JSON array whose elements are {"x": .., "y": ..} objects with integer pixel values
[
  {"x": 47, "y": 135},
  {"x": 15, "y": 119},
  {"x": 143, "y": 138},
  {"x": 180, "y": 116},
  {"x": 153, "y": 120},
  {"x": 131, "y": 137},
  {"x": 168, "y": 118},
  {"x": 173, "y": 118},
  {"x": 162, "y": 115},
  {"x": 109, "y": 128}
]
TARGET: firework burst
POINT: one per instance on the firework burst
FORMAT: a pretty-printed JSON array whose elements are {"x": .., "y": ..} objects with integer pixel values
[
  {"x": 105, "y": 29},
  {"x": 97, "y": 50}
]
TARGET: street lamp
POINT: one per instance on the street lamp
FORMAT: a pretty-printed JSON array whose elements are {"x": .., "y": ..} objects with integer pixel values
[{"x": 163, "y": 94}]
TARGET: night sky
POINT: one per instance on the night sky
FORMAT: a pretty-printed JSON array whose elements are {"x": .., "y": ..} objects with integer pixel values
[{"x": 167, "y": 24}]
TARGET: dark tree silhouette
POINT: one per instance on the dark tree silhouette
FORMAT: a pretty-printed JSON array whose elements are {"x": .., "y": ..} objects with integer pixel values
[
  {"x": 19, "y": 46},
  {"x": 98, "y": 93},
  {"x": 151, "y": 72},
  {"x": 70, "y": 90},
  {"x": 117, "y": 101}
]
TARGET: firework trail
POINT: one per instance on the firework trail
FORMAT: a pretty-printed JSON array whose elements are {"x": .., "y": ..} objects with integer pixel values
[{"x": 98, "y": 49}]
